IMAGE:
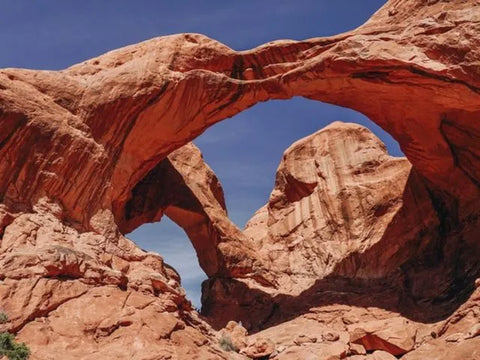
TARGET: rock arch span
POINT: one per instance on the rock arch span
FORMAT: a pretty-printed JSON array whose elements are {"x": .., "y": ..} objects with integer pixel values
[
  {"x": 128, "y": 109},
  {"x": 79, "y": 145}
]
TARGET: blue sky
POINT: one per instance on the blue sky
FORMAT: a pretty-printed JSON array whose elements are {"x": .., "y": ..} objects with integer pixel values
[{"x": 243, "y": 151}]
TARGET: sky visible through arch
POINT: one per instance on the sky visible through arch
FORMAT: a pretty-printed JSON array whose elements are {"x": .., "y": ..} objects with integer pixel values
[{"x": 243, "y": 151}]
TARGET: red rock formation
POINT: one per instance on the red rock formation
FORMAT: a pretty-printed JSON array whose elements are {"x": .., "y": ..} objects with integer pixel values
[
  {"x": 166, "y": 91},
  {"x": 185, "y": 189},
  {"x": 81, "y": 148},
  {"x": 344, "y": 214},
  {"x": 90, "y": 296},
  {"x": 337, "y": 195}
]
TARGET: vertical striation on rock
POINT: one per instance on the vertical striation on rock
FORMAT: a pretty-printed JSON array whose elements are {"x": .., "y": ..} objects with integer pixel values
[
  {"x": 342, "y": 208},
  {"x": 337, "y": 195}
]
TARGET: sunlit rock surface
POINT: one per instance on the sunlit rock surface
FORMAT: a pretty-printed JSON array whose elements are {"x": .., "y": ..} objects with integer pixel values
[{"x": 353, "y": 236}]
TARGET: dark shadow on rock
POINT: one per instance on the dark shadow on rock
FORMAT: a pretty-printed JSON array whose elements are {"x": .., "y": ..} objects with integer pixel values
[{"x": 426, "y": 279}]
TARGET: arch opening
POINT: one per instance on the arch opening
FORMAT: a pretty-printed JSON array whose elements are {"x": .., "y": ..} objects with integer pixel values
[
  {"x": 245, "y": 151},
  {"x": 165, "y": 237},
  {"x": 245, "y": 168},
  {"x": 247, "y": 171}
]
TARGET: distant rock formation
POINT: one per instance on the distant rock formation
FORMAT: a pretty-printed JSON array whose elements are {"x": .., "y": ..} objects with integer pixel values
[{"x": 349, "y": 237}]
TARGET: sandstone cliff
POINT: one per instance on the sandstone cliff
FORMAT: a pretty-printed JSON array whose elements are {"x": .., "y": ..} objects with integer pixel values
[
  {"x": 93, "y": 151},
  {"x": 350, "y": 240}
]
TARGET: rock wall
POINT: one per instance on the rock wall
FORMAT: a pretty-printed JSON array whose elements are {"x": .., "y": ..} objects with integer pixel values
[
  {"x": 93, "y": 151},
  {"x": 359, "y": 261},
  {"x": 87, "y": 295},
  {"x": 337, "y": 195}
]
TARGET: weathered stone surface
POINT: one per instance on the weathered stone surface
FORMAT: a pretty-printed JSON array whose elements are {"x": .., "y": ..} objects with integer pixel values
[
  {"x": 357, "y": 349},
  {"x": 258, "y": 349},
  {"x": 333, "y": 351},
  {"x": 342, "y": 208},
  {"x": 87, "y": 296},
  {"x": 381, "y": 355},
  {"x": 88, "y": 153},
  {"x": 338, "y": 197},
  {"x": 393, "y": 187},
  {"x": 184, "y": 188},
  {"x": 304, "y": 339},
  {"x": 236, "y": 334},
  {"x": 465, "y": 350},
  {"x": 396, "y": 336},
  {"x": 390, "y": 57},
  {"x": 453, "y": 337}
]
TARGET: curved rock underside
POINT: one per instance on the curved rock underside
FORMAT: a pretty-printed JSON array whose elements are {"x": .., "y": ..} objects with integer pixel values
[{"x": 355, "y": 251}]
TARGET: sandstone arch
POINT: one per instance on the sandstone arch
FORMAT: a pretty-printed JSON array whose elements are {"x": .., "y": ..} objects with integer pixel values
[
  {"x": 131, "y": 107},
  {"x": 87, "y": 137}
]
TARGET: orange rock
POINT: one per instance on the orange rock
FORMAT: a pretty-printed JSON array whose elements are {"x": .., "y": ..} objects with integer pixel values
[
  {"x": 309, "y": 232},
  {"x": 435, "y": 94},
  {"x": 93, "y": 151},
  {"x": 332, "y": 351},
  {"x": 341, "y": 207},
  {"x": 357, "y": 349},
  {"x": 396, "y": 336},
  {"x": 441, "y": 350},
  {"x": 304, "y": 339},
  {"x": 259, "y": 349},
  {"x": 236, "y": 334},
  {"x": 381, "y": 355}
]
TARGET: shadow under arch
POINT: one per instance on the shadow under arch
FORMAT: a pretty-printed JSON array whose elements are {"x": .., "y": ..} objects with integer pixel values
[
  {"x": 436, "y": 277},
  {"x": 168, "y": 190},
  {"x": 444, "y": 255}
]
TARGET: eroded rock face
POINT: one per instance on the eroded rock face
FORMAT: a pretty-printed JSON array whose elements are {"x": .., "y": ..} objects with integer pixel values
[
  {"x": 343, "y": 214},
  {"x": 168, "y": 90},
  {"x": 352, "y": 241},
  {"x": 337, "y": 195},
  {"x": 93, "y": 151},
  {"x": 184, "y": 188},
  {"x": 89, "y": 295}
]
